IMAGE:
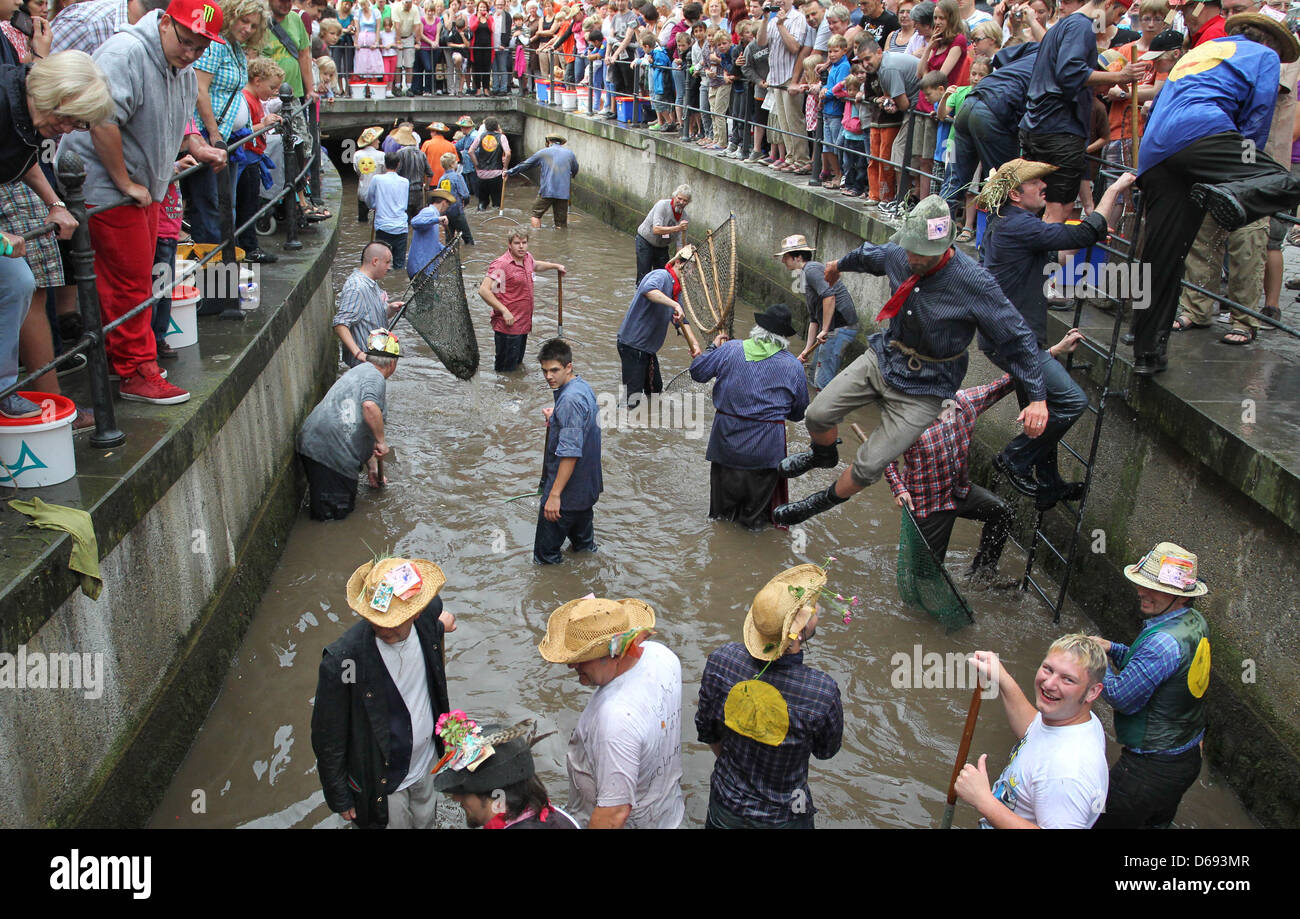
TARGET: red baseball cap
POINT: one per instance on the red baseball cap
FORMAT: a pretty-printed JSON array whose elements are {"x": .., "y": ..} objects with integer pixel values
[{"x": 202, "y": 17}]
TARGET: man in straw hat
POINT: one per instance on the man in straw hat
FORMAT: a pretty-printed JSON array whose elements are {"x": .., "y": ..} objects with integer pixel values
[
  {"x": 1158, "y": 692},
  {"x": 492, "y": 777},
  {"x": 571, "y": 474},
  {"x": 625, "y": 755},
  {"x": 653, "y": 309},
  {"x": 559, "y": 166},
  {"x": 1056, "y": 778},
  {"x": 438, "y": 145},
  {"x": 941, "y": 297},
  {"x": 379, "y": 695},
  {"x": 346, "y": 430},
  {"x": 764, "y": 712},
  {"x": 760, "y": 385},
  {"x": 832, "y": 315},
  {"x": 1020, "y": 251},
  {"x": 412, "y": 165},
  {"x": 368, "y": 162},
  {"x": 1204, "y": 149},
  {"x": 426, "y": 231}
]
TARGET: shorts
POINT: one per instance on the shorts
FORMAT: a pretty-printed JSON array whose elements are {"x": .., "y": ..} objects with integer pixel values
[
  {"x": 1065, "y": 152},
  {"x": 406, "y": 57},
  {"x": 924, "y": 136},
  {"x": 832, "y": 134},
  {"x": 561, "y": 206}
]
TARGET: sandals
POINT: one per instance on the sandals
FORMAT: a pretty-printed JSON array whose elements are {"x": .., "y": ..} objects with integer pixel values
[
  {"x": 1184, "y": 322},
  {"x": 966, "y": 235},
  {"x": 316, "y": 214},
  {"x": 1274, "y": 313},
  {"x": 1238, "y": 336}
]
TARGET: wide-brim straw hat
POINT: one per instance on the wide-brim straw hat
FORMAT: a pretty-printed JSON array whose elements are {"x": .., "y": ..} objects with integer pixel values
[
  {"x": 555, "y": 138},
  {"x": 1288, "y": 46},
  {"x": 438, "y": 127},
  {"x": 405, "y": 136},
  {"x": 465, "y": 122},
  {"x": 443, "y": 194},
  {"x": 369, "y": 136},
  {"x": 928, "y": 229},
  {"x": 367, "y": 579},
  {"x": 778, "y": 611},
  {"x": 1001, "y": 182},
  {"x": 1170, "y": 569},
  {"x": 581, "y": 630},
  {"x": 796, "y": 243}
]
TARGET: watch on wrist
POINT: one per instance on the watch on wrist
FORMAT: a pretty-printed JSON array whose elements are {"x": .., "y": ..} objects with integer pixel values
[{"x": 54, "y": 204}]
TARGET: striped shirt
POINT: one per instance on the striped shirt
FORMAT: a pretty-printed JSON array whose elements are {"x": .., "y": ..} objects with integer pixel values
[
  {"x": 780, "y": 63},
  {"x": 940, "y": 319},
  {"x": 938, "y": 464},
  {"x": 363, "y": 307},
  {"x": 85, "y": 26},
  {"x": 229, "y": 69},
  {"x": 1158, "y": 658},
  {"x": 752, "y": 779},
  {"x": 753, "y": 401}
]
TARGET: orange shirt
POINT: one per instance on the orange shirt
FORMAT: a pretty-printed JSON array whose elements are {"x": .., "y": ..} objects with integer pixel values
[
  {"x": 1121, "y": 119},
  {"x": 433, "y": 149}
]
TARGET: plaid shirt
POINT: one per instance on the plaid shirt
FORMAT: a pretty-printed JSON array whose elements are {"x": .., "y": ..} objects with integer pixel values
[
  {"x": 754, "y": 780},
  {"x": 1155, "y": 661},
  {"x": 938, "y": 466},
  {"x": 87, "y": 25}
]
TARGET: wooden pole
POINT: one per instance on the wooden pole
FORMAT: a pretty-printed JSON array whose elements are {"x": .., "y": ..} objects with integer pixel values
[
  {"x": 1133, "y": 108},
  {"x": 963, "y": 750}
]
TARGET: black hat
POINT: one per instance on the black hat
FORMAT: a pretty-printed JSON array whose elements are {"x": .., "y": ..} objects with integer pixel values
[
  {"x": 776, "y": 320},
  {"x": 510, "y": 763},
  {"x": 1168, "y": 40}
]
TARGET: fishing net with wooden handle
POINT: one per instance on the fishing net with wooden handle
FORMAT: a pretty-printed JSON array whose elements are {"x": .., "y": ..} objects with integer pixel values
[
  {"x": 438, "y": 310},
  {"x": 708, "y": 275},
  {"x": 922, "y": 581}
]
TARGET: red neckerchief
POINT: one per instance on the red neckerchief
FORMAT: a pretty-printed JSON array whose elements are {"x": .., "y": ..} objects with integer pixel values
[
  {"x": 895, "y": 303},
  {"x": 498, "y": 822},
  {"x": 677, "y": 284},
  {"x": 677, "y": 215}
]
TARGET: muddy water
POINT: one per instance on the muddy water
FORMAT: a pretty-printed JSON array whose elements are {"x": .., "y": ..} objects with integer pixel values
[{"x": 464, "y": 447}]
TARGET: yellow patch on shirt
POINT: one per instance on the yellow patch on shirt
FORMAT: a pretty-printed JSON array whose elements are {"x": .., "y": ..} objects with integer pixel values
[
  {"x": 757, "y": 710},
  {"x": 1202, "y": 58},
  {"x": 488, "y": 142},
  {"x": 1198, "y": 675}
]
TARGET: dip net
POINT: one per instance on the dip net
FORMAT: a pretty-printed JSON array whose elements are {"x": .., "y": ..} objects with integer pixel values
[
  {"x": 924, "y": 583},
  {"x": 438, "y": 310},
  {"x": 708, "y": 279}
]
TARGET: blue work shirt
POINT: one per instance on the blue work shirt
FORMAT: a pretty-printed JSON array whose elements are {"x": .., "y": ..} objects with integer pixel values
[
  {"x": 559, "y": 166},
  {"x": 646, "y": 324},
  {"x": 574, "y": 431},
  {"x": 1005, "y": 91},
  {"x": 1228, "y": 84},
  {"x": 454, "y": 182},
  {"x": 1060, "y": 100},
  {"x": 754, "y": 399},
  {"x": 388, "y": 193},
  {"x": 426, "y": 242}
]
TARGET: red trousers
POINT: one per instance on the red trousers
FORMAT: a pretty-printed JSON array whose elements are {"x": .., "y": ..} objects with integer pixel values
[
  {"x": 880, "y": 178},
  {"x": 124, "y": 240}
]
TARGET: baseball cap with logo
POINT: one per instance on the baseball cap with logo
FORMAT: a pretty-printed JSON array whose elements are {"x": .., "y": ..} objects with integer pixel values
[{"x": 202, "y": 17}]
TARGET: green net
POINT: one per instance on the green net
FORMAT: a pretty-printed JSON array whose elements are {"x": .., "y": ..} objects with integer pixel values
[
  {"x": 923, "y": 582},
  {"x": 439, "y": 310}
]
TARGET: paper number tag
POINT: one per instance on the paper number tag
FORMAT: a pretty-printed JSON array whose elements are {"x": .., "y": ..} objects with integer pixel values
[
  {"x": 937, "y": 227},
  {"x": 383, "y": 597}
]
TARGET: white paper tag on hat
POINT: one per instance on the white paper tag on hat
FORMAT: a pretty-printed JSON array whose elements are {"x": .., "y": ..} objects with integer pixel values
[
  {"x": 937, "y": 227},
  {"x": 1177, "y": 572}
]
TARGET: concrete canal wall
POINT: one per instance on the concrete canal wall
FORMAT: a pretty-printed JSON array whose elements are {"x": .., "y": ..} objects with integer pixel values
[
  {"x": 1170, "y": 466},
  {"x": 190, "y": 515}
]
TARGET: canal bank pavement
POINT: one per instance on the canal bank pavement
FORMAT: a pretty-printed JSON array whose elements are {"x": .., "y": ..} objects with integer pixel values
[{"x": 463, "y": 448}]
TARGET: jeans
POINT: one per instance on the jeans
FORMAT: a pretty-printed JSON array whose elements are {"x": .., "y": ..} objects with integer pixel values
[
  {"x": 248, "y": 198},
  {"x": 1066, "y": 401},
  {"x": 423, "y": 82},
  {"x": 977, "y": 138},
  {"x": 164, "y": 253},
  {"x": 576, "y": 526},
  {"x": 679, "y": 90},
  {"x": 509, "y": 351},
  {"x": 1145, "y": 789},
  {"x": 640, "y": 373},
  {"x": 855, "y": 172},
  {"x": 830, "y": 353},
  {"x": 648, "y": 257},
  {"x": 979, "y": 504},
  {"x": 396, "y": 242},
  {"x": 200, "y": 194},
  {"x": 17, "y": 285},
  {"x": 719, "y": 818}
]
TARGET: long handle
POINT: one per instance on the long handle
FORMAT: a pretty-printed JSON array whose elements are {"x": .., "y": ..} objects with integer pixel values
[
  {"x": 1133, "y": 108},
  {"x": 963, "y": 750},
  {"x": 501, "y": 211},
  {"x": 560, "y": 306}
]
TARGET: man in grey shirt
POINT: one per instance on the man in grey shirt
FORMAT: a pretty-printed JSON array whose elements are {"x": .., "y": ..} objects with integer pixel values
[
  {"x": 346, "y": 429},
  {"x": 896, "y": 73},
  {"x": 363, "y": 305},
  {"x": 655, "y": 235}
]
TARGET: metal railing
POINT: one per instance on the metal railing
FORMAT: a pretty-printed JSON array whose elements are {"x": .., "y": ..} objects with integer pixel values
[{"x": 72, "y": 176}]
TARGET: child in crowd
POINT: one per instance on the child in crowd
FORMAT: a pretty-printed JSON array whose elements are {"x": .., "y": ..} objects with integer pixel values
[
  {"x": 454, "y": 182},
  {"x": 596, "y": 60},
  {"x": 833, "y": 110},
  {"x": 388, "y": 50},
  {"x": 264, "y": 79},
  {"x": 738, "y": 146},
  {"x": 696, "y": 87},
  {"x": 933, "y": 86},
  {"x": 812, "y": 88},
  {"x": 952, "y": 102},
  {"x": 328, "y": 87},
  {"x": 719, "y": 65},
  {"x": 682, "y": 62},
  {"x": 661, "y": 81},
  {"x": 853, "y": 135},
  {"x": 164, "y": 267}
]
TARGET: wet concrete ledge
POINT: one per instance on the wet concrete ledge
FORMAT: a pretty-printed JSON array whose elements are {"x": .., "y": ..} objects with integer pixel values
[
  {"x": 190, "y": 515},
  {"x": 1176, "y": 460}
]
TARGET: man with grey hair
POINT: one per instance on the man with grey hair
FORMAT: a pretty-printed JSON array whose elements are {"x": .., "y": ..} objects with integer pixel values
[
  {"x": 654, "y": 238},
  {"x": 785, "y": 34},
  {"x": 1057, "y": 776},
  {"x": 85, "y": 26}
]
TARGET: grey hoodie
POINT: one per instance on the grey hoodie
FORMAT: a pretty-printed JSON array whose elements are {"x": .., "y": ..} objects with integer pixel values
[{"x": 152, "y": 105}]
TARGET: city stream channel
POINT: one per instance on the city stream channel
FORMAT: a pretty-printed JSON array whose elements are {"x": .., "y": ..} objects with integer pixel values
[{"x": 464, "y": 447}]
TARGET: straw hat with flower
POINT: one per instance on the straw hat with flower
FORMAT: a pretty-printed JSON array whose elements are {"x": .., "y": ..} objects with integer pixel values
[
  {"x": 1170, "y": 569},
  {"x": 367, "y": 579},
  {"x": 369, "y": 136},
  {"x": 1007, "y": 178},
  {"x": 583, "y": 630},
  {"x": 781, "y": 609}
]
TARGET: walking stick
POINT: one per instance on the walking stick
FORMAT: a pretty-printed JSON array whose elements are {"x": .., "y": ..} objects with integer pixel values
[
  {"x": 963, "y": 749},
  {"x": 501, "y": 211},
  {"x": 560, "y": 331}
]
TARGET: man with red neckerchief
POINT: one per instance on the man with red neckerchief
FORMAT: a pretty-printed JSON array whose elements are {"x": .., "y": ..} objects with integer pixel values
[
  {"x": 645, "y": 326},
  {"x": 1204, "y": 21}
]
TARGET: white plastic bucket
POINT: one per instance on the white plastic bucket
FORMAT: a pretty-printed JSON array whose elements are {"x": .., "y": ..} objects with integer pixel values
[
  {"x": 186, "y": 273},
  {"x": 250, "y": 294},
  {"x": 583, "y": 108},
  {"x": 38, "y": 451},
  {"x": 379, "y": 90},
  {"x": 568, "y": 100},
  {"x": 184, "y": 329},
  {"x": 358, "y": 88}
]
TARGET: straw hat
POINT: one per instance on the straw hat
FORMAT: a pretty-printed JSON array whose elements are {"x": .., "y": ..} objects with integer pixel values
[
  {"x": 928, "y": 229},
  {"x": 443, "y": 194},
  {"x": 554, "y": 138},
  {"x": 778, "y": 612},
  {"x": 1007, "y": 178},
  {"x": 367, "y": 579},
  {"x": 1168, "y": 568},
  {"x": 465, "y": 122},
  {"x": 405, "y": 136},
  {"x": 1288, "y": 47},
  {"x": 795, "y": 243},
  {"x": 581, "y": 630},
  {"x": 438, "y": 127},
  {"x": 369, "y": 136}
]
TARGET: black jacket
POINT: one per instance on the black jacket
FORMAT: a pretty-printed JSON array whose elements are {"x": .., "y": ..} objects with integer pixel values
[
  {"x": 20, "y": 143},
  {"x": 358, "y": 756}
]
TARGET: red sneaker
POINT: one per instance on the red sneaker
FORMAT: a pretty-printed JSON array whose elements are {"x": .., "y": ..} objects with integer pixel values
[{"x": 148, "y": 386}]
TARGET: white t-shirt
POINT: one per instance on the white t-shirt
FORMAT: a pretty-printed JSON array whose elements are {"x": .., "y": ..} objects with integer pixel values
[
  {"x": 405, "y": 663},
  {"x": 627, "y": 747},
  {"x": 1057, "y": 777}
]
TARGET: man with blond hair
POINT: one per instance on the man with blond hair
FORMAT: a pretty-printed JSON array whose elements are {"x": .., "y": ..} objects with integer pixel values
[{"x": 1057, "y": 776}]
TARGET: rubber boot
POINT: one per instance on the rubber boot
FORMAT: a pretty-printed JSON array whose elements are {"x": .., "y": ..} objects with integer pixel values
[
  {"x": 811, "y": 506},
  {"x": 819, "y": 457}
]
